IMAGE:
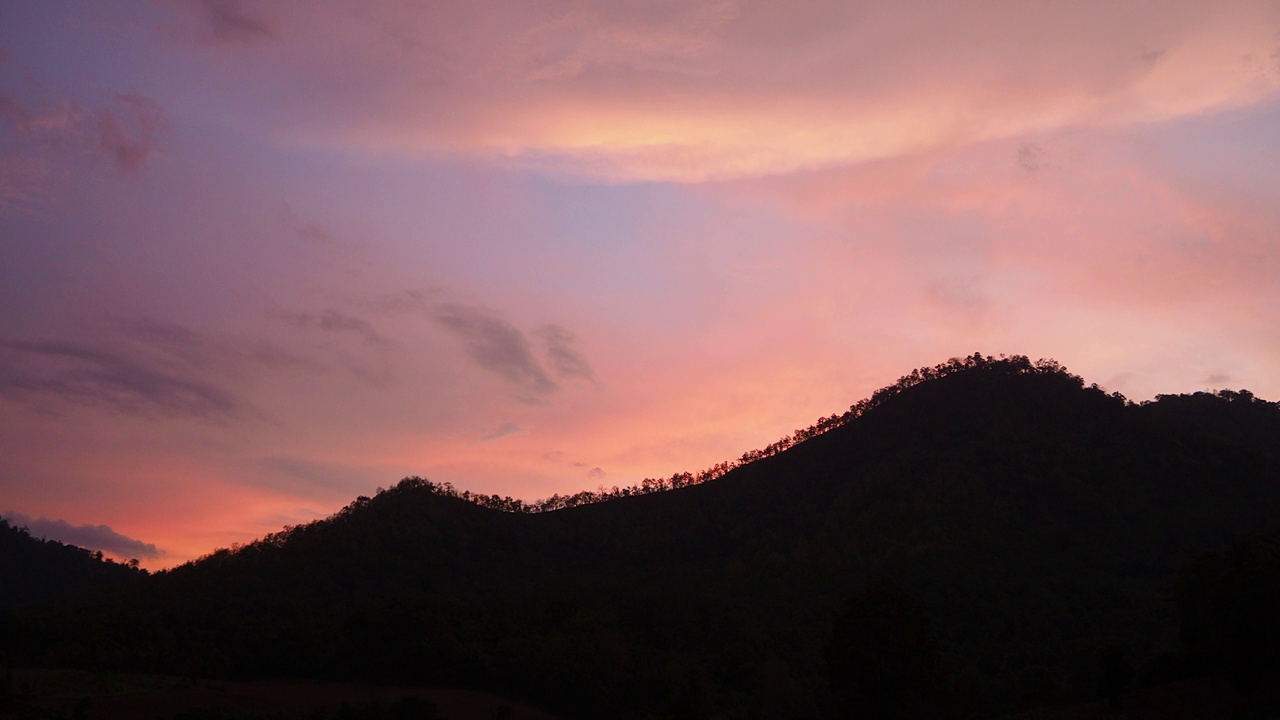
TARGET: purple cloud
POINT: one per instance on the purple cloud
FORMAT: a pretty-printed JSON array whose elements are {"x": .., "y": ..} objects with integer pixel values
[
  {"x": 130, "y": 149},
  {"x": 335, "y": 321},
  {"x": 562, "y": 356},
  {"x": 230, "y": 22},
  {"x": 499, "y": 347},
  {"x": 503, "y": 430},
  {"x": 92, "y": 537},
  {"x": 83, "y": 374}
]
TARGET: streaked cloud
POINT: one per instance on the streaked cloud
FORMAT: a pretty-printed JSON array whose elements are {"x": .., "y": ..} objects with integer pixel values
[
  {"x": 503, "y": 430},
  {"x": 309, "y": 476},
  {"x": 40, "y": 143},
  {"x": 81, "y": 374},
  {"x": 336, "y": 321},
  {"x": 147, "y": 368},
  {"x": 31, "y": 145},
  {"x": 229, "y": 21},
  {"x": 308, "y": 232},
  {"x": 498, "y": 347},
  {"x": 129, "y": 142},
  {"x": 562, "y": 354}
]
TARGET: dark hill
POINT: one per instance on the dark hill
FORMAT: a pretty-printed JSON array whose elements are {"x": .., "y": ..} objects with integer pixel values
[
  {"x": 1025, "y": 530},
  {"x": 38, "y": 572}
]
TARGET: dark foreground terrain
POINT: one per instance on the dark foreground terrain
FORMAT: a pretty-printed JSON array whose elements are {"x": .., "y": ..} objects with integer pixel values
[
  {"x": 117, "y": 696},
  {"x": 987, "y": 536},
  {"x": 61, "y": 694}
]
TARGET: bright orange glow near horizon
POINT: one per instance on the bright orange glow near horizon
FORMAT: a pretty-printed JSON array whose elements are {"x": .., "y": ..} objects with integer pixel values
[{"x": 259, "y": 258}]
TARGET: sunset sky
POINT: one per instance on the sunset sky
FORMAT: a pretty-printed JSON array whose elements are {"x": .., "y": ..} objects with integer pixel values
[{"x": 260, "y": 257}]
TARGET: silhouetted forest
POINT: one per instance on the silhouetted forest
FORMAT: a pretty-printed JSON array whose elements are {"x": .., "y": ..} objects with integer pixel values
[
  {"x": 48, "y": 571},
  {"x": 986, "y": 535}
]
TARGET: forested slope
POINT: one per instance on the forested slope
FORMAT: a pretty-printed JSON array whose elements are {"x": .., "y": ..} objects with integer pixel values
[{"x": 1034, "y": 528}]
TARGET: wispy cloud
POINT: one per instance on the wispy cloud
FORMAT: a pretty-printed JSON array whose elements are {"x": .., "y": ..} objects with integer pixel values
[
  {"x": 503, "y": 430},
  {"x": 399, "y": 303},
  {"x": 562, "y": 353},
  {"x": 23, "y": 181},
  {"x": 39, "y": 142},
  {"x": 336, "y": 321},
  {"x": 960, "y": 294},
  {"x": 292, "y": 474},
  {"x": 309, "y": 232},
  {"x": 499, "y": 347},
  {"x": 93, "y": 537},
  {"x": 211, "y": 354},
  {"x": 84, "y": 374},
  {"x": 230, "y": 22},
  {"x": 31, "y": 141},
  {"x": 1030, "y": 156},
  {"x": 144, "y": 367},
  {"x": 129, "y": 143}
]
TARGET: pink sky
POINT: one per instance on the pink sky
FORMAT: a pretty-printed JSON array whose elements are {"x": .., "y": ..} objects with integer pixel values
[{"x": 258, "y": 258}]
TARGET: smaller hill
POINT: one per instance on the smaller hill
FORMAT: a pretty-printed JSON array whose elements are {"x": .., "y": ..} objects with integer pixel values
[{"x": 41, "y": 572}]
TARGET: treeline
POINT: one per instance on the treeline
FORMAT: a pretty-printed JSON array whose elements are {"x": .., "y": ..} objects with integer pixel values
[
  {"x": 50, "y": 570},
  {"x": 1005, "y": 364}
]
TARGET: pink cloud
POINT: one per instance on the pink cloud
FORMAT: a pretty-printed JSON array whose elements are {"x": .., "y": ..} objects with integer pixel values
[
  {"x": 40, "y": 145},
  {"x": 130, "y": 147},
  {"x": 32, "y": 143},
  {"x": 719, "y": 89}
]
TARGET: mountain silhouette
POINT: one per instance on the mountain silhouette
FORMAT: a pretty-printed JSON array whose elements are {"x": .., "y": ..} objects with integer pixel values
[
  {"x": 985, "y": 535},
  {"x": 41, "y": 571}
]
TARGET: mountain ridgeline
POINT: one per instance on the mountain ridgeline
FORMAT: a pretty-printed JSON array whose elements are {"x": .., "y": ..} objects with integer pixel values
[{"x": 985, "y": 535}]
